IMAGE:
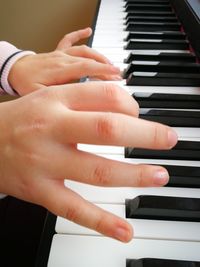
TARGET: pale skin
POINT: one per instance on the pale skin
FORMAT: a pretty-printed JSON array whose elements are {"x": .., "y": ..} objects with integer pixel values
[
  {"x": 54, "y": 120},
  {"x": 57, "y": 118},
  {"x": 66, "y": 64}
]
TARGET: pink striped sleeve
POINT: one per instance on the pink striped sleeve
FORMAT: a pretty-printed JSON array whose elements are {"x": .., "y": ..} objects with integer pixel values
[{"x": 9, "y": 54}]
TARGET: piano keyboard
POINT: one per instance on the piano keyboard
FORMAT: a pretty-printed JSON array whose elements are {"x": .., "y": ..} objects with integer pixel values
[{"x": 146, "y": 40}]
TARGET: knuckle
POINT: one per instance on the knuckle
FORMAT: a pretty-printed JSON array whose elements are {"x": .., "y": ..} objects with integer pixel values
[
  {"x": 99, "y": 225},
  {"x": 112, "y": 93},
  {"x": 30, "y": 158},
  {"x": 71, "y": 214},
  {"x": 38, "y": 125},
  {"x": 59, "y": 64},
  {"x": 102, "y": 175},
  {"x": 143, "y": 175},
  {"x": 57, "y": 53},
  {"x": 84, "y": 48},
  {"x": 136, "y": 109},
  {"x": 139, "y": 176},
  {"x": 86, "y": 64},
  {"x": 106, "y": 128},
  {"x": 156, "y": 136}
]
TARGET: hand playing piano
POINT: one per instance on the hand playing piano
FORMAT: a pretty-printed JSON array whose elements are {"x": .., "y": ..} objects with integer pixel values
[
  {"x": 38, "y": 149},
  {"x": 66, "y": 64}
]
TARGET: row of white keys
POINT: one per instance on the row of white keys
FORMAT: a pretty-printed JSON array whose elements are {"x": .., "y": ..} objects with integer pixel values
[{"x": 87, "y": 251}]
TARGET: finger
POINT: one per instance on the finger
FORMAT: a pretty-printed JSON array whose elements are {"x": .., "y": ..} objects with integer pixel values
[
  {"x": 97, "y": 96},
  {"x": 66, "y": 203},
  {"x": 115, "y": 129},
  {"x": 73, "y": 37},
  {"x": 85, "y": 68},
  {"x": 106, "y": 78},
  {"x": 96, "y": 170},
  {"x": 87, "y": 52}
]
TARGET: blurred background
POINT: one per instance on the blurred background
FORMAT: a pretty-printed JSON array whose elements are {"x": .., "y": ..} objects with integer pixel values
[{"x": 38, "y": 25}]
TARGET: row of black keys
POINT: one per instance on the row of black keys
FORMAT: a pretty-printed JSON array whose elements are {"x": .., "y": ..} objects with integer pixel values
[
  {"x": 176, "y": 110},
  {"x": 155, "y": 262},
  {"x": 147, "y": 16},
  {"x": 162, "y": 69},
  {"x": 148, "y": 31}
]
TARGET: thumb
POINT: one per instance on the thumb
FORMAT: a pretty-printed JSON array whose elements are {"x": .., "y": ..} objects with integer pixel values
[{"x": 69, "y": 39}]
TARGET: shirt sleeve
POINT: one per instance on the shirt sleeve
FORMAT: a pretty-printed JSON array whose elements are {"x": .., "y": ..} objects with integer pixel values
[
  {"x": 9, "y": 54},
  {"x": 2, "y": 195}
]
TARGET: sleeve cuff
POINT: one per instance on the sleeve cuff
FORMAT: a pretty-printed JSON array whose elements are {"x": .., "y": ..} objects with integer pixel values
[
  {"x": 2, "y": 195},
  {"x": 9, "y": 54}
]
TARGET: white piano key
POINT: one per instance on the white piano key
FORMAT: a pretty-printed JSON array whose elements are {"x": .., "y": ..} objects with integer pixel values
[
  {"x": 84, "y": 251},
  {"x": 117, "y": 195}
]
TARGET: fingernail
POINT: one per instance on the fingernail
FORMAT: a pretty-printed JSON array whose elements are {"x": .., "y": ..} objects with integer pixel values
[
  {"x": 172, "y": 138},
  {"x": 123, "y": 234},
  {"x": 161, "y": 177}
]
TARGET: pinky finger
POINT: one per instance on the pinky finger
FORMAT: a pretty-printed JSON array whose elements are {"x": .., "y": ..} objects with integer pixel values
[{"x": 66, "y": 203}]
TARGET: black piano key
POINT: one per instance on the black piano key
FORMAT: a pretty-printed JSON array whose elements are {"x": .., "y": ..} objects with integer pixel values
[
  {"x": 166, "y": 57},
  {"x": 154, "y": 262},
  {"x": 147, "y": 7},
  {"x": 183, "y": 150},
  {"x": 183, "y": 176},
  {"x": 158, "y": 2},
  {"x": 163, "y": 100},
  {"x": 156, "y": 26},
  {"x": 173, "y": 35},
  {"x": 163, "y": 67},
  {"x": 173, "y": 118},
  {"x": 145, "y": 103},
  {"x": 148, "y": 1},
  {"x": 163, "y": 79},
  {"x": 150, "y": 19},
  {"x": 163, "y": 208},
  {"x": 165, "y": 96},
  {"x": 134, "y": 44},
  {"x": 150, "y": 13},
  {"x": 171, "y": 113}
]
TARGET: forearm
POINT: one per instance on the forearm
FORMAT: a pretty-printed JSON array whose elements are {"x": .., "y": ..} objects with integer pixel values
[{"x": 9, "y": 54}]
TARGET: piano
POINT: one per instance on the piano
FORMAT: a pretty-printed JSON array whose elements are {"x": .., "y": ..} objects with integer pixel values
[{"x": 156, "y": 43}]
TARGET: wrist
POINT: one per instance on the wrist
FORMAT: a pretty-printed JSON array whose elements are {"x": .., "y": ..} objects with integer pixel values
[{"x": 9, "y": 54}]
